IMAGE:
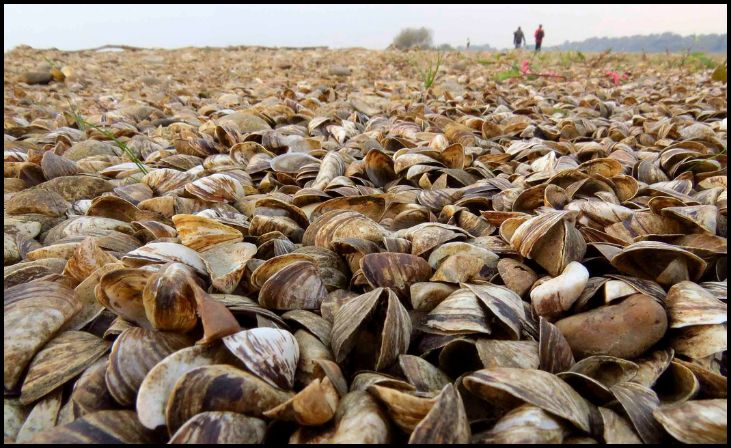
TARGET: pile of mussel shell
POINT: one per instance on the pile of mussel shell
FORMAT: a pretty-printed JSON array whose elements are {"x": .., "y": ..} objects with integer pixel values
[{"x": 313, "y": 250}]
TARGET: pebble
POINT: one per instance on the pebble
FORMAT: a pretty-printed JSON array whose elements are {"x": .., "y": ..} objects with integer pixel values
[{"x": 625, "y": 330}]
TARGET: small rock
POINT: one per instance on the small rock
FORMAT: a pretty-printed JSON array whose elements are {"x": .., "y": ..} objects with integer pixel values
[
  {"x": 516, "y": 276},
  {"x": 36, "y": 77},
  {"x": 339, "y": 70},
  {"x": 625, "y": 330}
]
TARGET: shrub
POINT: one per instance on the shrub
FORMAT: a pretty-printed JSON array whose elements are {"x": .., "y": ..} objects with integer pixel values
[{"x": 413, "y": 38}]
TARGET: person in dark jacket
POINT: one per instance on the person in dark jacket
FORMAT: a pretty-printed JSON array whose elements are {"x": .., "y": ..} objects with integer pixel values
[
  {"x": 518, "y": 38},
  {"x": 539, "y": 37}
]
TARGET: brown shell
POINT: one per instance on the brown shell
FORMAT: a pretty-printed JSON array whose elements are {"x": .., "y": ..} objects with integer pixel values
[
  {"x": 220, "y": 387},
  {"x": 64, "y": 357},
  {"x": 296, "y": 286},
  {"x": 33, "y": 313}
]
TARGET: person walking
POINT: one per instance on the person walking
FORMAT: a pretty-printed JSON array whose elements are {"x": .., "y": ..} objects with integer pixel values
[
  {"x": 518, "y": 38},
  {"x": 539, "y": 37},
  {"x": 468, "y": 43}
]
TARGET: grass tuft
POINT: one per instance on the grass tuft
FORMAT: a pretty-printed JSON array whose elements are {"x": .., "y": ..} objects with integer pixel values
[
  {"x": 429, "y": 71},
  {"x": 82, "y": 124}
]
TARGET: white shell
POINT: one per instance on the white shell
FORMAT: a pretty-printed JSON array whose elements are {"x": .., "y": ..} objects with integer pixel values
[{"x": 269, "y": 353}]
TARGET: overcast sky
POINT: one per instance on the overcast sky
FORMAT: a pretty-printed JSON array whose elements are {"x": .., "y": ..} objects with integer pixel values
[{"x": 70, "y": 27}]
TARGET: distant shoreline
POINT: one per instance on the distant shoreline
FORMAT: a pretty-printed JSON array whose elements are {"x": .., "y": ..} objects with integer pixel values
[{"x": 122, "y": 48}]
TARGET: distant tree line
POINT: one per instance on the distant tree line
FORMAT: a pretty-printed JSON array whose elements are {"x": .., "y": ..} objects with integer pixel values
[
  {"x": 652, "y": 43},
  {"x": 422, "y": 38}
]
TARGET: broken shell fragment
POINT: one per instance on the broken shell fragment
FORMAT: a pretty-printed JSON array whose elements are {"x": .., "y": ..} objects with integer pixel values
[{"x": 87, "y": 258}]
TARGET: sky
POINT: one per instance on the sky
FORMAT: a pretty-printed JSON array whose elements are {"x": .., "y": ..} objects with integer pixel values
[{"x": 73, "y": 27}]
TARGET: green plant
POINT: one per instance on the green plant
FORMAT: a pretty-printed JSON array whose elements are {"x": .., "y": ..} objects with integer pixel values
[
  {"x": 77, "y": 117},
  {"x": 82, "y": 124},
  {"x": 703, "y": 59},
  {"x": 570, "y": 57},
  {"x": 429, "y": 70},
  {"x": 514, "y": 72},
  {"x": 50, "y": 61}
]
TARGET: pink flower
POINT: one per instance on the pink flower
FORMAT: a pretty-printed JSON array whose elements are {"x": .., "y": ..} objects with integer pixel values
[
  {"x": 525, "y": 67},
  {"x": 614, "y": 76}
]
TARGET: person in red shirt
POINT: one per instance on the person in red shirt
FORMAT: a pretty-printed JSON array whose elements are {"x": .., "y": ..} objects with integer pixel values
[{"x": 539, "y": 37}]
